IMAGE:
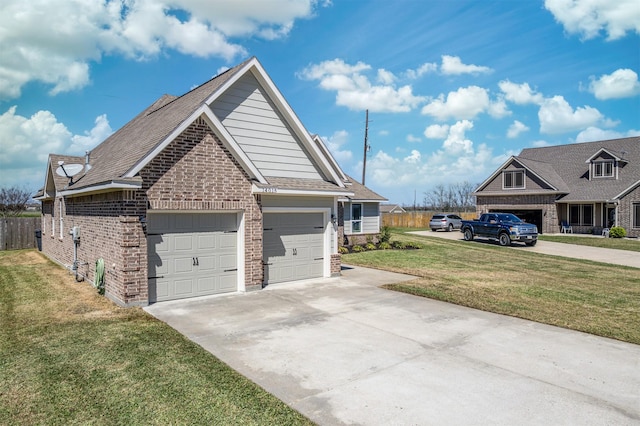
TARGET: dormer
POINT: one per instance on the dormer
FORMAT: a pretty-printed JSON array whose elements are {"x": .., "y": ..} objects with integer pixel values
[{"x": 605, "y": 164}]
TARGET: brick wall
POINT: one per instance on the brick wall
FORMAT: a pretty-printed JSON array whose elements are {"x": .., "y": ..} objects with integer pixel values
[
  {"x": 625, "y": 210},
  {"x": 196, "y": 172}
]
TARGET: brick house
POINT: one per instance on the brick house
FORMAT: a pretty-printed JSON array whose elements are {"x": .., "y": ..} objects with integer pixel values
[
  {"x": 589, "y": 186},
  {"x": 219, "y": 190}
]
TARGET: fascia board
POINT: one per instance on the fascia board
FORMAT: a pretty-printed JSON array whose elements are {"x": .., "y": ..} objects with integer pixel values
[
  {"x": 626, "y": 191},
  {"x": 105, "y": 187},
  {"x": 215, "y": 125},
  {"x": 298, "y": 192},
  {"x": 328, "y": 155}
]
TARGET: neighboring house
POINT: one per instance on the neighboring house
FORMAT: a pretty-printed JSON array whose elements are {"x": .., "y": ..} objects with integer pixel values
[
  {"x": 589, "y": 186},
  {"x": 391, "y": 208},
  {"x": 219, "y": 190}
]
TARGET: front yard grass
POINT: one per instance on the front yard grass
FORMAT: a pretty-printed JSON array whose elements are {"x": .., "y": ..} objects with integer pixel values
[
  {"x": 596, "y": 298},
  {"x": 69, "y": 356},
  {"x": 630, "y": 244}
]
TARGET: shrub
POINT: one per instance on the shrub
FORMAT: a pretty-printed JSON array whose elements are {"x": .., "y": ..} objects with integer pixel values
[
  {"x": 398, "y": 245},
  {"x": 412, "y": 245},
  {"x": 370, "y": 246},
  {"x": 357, "y": 249},
  {"x": 617, "y": 232},
  {"x": 343, "y": 250},
  {"x": 369, "y": 239},
  {"x": 385, "y": 234},
  {"x": 384, "y": 245}
]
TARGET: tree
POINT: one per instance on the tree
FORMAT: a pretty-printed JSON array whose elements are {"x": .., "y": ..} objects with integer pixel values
[
  {"x": 454, "y": 197},
  {"x": 13, "y": 201}
]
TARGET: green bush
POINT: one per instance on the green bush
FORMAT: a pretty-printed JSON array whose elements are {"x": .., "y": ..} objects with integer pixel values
[
  {"x": 617, "y": 232},
  {"x": 398, "y": 245},
  {"x": 384, "y": 245},
  {"x": 385, "y": 234},
  {"x": 357, "y": 249},
  {"x": 370, "y": 246},
  {"x": 343, "y": 250},
  {"x": 411, "y": 245}
]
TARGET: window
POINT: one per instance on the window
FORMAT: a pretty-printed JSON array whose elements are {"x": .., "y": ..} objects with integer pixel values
[
  {"x": 356, "y": 218},
  {"x": 635, "y": 211},
  {"x": 603, "y": 169},
  {"x": 513, "y": 179},
  {"x": 581, "y": 214}
]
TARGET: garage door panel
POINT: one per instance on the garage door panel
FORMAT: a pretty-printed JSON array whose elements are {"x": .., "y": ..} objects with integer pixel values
[
  {"x": 292, "y": 242},
  {"x": 191, "y": 255},
  {"x": 227, "y": 261}
]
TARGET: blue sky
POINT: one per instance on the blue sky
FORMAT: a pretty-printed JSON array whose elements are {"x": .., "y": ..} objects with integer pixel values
[{"x": 453, "y": 88}]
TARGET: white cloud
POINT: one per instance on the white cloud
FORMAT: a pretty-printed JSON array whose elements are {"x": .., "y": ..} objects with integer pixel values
[
  {"x": 457, "y": 142},
  {"x": 452, "y": 65},
  {"x": 413, "y": 139},
  {"x": 540, "y": 143},
  {"x": 336, "y": 143},
  {"x": 355, "y": 91},
  {"x": 31, "y": 139},
  {"x": 55, "y": 41},
  {"x": 465, "y": 103},
  {"x": 421, "y": 70},
  {"x": 436, "y": 131},
  {"x": 591, "y": 17},
  {"x": 557, "y": 116},
  {"x": 386, "y": 77},
  {"x": 622, "y": 83},
  {"x": 515, "y": 129},
  {"x": 402, "y": 177},
  {"x": 498, "y": 108},
  {"x": 592, "y": 134},
  {"x": 520, "y": 94}
]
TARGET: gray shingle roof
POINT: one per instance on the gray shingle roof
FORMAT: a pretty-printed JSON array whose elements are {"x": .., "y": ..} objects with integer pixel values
[
  {"x": 361, "y": 192},
  {"x": 122, "y": 150},
  {"x": 565, "y": 167}
]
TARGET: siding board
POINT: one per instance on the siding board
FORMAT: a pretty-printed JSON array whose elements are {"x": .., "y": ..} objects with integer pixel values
[{"x": 252, "y": 120}]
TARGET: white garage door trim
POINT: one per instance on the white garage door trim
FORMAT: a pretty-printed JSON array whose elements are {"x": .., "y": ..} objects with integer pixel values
[
  {"x": 240, "y": 233},
  {"x": 328, "y": 228}
]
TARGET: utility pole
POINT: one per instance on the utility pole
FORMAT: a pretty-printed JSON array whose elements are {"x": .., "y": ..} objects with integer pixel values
[{"x": 366, "y": 148}]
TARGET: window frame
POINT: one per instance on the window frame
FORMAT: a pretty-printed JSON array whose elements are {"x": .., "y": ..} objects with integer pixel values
[
  {"x": 635, "y": 215},
  {"x": 61, "y": 219},
  {"x": 513, "y": 177},
  {"x": 602, "y": 165},
  {"x": 581, "y": 214},
  {"x": 356, "y": 221}
]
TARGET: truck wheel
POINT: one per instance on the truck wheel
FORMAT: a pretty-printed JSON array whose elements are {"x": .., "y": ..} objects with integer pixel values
[
  {"x": 468, "y": 235},
  {"x": 532, "y": 243},
  {"x": 433, "y": 230},
  {"x": 504, "y": 239},
  {"x": 450, "y": 227}
]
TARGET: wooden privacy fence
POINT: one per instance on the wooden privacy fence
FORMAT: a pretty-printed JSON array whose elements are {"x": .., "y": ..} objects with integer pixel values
[
  {"x": 18, "y": 232},
  {"x": 416, "y": 219}
]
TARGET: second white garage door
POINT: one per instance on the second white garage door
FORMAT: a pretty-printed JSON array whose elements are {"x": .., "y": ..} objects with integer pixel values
[
  {"x": 191, "y": 254},
  {"x": 293, "y": 246}
]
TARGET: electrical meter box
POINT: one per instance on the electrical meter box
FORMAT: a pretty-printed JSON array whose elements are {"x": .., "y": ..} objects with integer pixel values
[{"x": 75, "y": 233}]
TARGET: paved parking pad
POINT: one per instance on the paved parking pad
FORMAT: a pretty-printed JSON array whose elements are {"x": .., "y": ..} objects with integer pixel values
[{"x": 343, "y": 351}]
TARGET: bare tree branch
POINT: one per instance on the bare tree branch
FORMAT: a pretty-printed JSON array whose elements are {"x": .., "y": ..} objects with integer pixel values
[{"x": 13, "y": 201}]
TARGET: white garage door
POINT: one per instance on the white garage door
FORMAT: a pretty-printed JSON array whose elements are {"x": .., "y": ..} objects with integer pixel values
[
  {"x": 293, "y": 246},
  {"x": 191, "y": 254}
]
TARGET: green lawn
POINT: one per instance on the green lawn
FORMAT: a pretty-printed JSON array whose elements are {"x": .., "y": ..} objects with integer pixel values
[
  {"x": 69, "y": 356},
  {"x": 596, "y": 298},
  {"x": 631, "y": 244}
]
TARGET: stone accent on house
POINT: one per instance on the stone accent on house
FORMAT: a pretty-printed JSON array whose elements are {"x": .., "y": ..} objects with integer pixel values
[
  {"x": 336, "y": 264},
  {"x": 362, "y": 239}
]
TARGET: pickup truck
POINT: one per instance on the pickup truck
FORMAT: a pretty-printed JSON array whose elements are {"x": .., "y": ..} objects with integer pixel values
[{"x": 502, "y": 227}]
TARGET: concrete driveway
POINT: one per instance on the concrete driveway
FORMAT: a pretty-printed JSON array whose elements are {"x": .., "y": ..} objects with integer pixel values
[
  {"x": 343, "y": 351},
  {"x": 596, "y": 254}
]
